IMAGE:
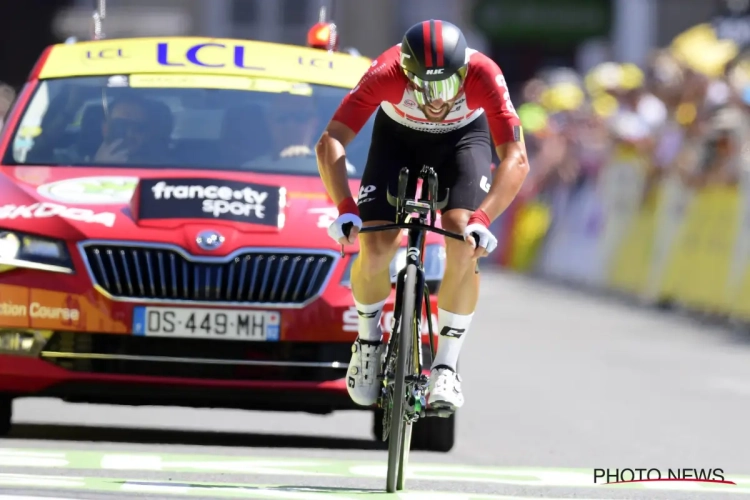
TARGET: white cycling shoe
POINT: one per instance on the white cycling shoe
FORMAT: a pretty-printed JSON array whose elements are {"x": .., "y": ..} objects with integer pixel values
[
  {"x": 445, "y": 389},
  {"x": 362, "y": 381}
]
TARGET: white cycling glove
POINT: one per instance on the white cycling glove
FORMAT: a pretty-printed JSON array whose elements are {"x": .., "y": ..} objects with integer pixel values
[
  {"x": 479, "y": 223},
  {"x": 487, "y": 240},
  {"x": 336, "y": 229}
]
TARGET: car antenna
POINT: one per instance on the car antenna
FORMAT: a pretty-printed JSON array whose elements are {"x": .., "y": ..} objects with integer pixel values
[
  {"x": 97, "y": 33},
  {"x": 97, "y": 20},
  {"x": 333, "y": 32}
]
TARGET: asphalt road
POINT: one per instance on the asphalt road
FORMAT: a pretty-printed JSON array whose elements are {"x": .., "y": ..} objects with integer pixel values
[{"x": 555, "y": 379}]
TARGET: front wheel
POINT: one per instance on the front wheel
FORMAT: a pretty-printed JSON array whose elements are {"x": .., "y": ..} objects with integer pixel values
[{"x": 399, "y": 439}]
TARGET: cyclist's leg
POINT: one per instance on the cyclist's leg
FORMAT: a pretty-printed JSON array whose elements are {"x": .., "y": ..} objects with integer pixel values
[
  {"x": 459, "y": 290},
  {"x": 370, "y": 276}
]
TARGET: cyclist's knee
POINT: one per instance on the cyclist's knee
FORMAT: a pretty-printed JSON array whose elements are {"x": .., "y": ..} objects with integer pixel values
[
  {"x": 458, "y": 254},
  {"x": 377, "y": 249}
]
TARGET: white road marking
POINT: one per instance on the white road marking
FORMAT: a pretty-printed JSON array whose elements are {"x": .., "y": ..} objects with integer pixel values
[{"x": 19, "y": 497}]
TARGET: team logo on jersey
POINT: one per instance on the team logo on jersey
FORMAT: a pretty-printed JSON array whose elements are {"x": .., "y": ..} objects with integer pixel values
[
  {"x": 409, "y": 103},
  {"x": 459, "y": 104},
  {"x": 364, "y": 194}
]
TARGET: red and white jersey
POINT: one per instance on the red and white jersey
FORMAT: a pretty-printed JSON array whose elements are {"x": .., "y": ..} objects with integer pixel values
[{"x": 386, "y": 85}]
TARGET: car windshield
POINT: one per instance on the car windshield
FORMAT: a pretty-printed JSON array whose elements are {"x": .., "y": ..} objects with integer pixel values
[{"x": 180, "y": 121}]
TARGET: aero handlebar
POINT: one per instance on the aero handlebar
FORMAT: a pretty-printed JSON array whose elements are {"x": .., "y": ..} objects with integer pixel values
[{"x": 405, "y": 206}]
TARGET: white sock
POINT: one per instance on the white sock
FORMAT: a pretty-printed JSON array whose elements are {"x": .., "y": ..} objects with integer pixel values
[
  {"x": 369, "y": 320},
  {"x": 452, "y": 329}
]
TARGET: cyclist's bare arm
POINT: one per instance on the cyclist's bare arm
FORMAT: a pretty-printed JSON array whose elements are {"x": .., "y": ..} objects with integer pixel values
[
  {"x": 486, "y": 88},
  {"x": 331, "y": 157},
  {"x": 382, "y": 82},
  {"x": 508, "y": 178}
]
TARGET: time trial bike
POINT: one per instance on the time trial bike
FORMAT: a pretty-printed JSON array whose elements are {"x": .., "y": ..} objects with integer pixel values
[{"x": 404, "y": 385}]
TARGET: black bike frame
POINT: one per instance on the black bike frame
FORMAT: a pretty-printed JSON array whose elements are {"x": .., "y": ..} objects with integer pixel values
[
  {"x": 425, "y": 206},
  {"x": 414, "y": 255}
]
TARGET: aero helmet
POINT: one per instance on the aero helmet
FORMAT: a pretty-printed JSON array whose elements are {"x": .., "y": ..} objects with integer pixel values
[{"x": 434, "y": 59}]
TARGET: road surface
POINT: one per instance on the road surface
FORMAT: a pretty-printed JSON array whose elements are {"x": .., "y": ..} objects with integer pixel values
[{"x": 558, "y": 382}]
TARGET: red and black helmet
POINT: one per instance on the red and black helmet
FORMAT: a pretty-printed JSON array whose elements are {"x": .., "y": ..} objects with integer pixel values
[
  {"x": 433, "y": 50},
  {"x": 434, "y": 58}
]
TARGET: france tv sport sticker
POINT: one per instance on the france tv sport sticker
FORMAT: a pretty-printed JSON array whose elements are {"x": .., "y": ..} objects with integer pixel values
[{"x": 100, "y": 190}]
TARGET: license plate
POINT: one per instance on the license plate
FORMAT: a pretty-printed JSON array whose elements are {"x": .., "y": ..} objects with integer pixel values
[{"x": 221, "y": 324}]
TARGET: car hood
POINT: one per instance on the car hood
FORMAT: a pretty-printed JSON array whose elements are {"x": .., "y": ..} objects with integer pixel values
[
  {"x": 175, "y": 206},
  {"x": 168, "y": 206}
]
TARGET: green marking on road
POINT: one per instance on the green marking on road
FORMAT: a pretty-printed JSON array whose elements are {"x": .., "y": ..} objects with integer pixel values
[
  {"x": 229, "y": 490},
  {"x": 307, "y": 467}
]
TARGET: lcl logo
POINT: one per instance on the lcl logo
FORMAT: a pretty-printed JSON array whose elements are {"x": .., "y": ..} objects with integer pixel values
[{"x": 113, "y": 53}]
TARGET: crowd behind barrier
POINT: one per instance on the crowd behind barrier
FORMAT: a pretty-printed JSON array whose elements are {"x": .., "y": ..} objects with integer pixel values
[{"x": 640, "y": 180}]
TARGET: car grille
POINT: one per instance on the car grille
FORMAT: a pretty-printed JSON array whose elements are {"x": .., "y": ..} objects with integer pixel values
[{"x": 165, "y": 274}]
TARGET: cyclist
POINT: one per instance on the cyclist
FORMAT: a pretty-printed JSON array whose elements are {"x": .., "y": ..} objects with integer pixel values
[{"x": 441, "y": 104}]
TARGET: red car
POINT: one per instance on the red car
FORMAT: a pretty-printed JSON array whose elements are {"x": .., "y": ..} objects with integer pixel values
[{"x": 163, "y": 230}]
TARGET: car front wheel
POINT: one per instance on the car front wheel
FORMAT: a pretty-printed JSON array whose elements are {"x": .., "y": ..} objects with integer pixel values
[{"x": 6, "y": 412}]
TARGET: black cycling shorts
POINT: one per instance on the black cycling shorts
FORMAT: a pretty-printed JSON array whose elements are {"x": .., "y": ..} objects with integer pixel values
[{"x": 461, "y": 159}]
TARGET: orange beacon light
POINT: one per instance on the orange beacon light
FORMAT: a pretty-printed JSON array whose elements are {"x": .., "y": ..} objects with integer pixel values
[{"x": 323, "y": 36}]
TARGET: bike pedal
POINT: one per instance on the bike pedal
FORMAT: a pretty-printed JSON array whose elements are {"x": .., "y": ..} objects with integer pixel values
[{"x": 439, "y": 412}]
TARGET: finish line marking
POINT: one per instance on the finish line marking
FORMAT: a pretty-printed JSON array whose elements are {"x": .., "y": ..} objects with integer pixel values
[
  {"x": 275, "y": 466},
  {"x": 16, "y": 497},
  {"x": 228, "y": 490}
]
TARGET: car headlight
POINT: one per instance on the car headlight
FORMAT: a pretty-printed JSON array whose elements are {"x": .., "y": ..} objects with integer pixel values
[
  {"x": 434, "y": 265},
  {"x": 33, "y": 252}
]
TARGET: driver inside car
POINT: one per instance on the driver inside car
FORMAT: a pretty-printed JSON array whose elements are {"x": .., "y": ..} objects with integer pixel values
[
  {"x": 292, "y": 123},
  {"x": 131, "y": 129},
  {"x": 294, "y": 127},
  {"x": 135, "y": 130}
]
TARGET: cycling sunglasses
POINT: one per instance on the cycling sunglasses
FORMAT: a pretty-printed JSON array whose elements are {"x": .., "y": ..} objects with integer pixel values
[{"x": 448, "y": 89}]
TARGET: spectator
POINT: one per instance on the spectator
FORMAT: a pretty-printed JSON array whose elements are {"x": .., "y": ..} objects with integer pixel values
[{"x": 7, "y": 96}]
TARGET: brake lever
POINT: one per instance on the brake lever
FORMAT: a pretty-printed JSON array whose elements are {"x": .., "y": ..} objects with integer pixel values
[
  {"x": 346, "y": 228},
  {"x": 476, "y": 239},
  {"x": 476, "y": 244}
]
